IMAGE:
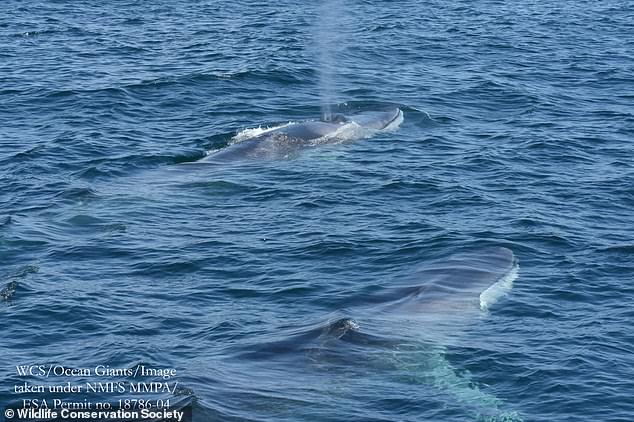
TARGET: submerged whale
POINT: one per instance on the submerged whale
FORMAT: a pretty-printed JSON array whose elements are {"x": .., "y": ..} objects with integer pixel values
[
  {"x": 288, "y": 140},
  {"x": 380, "y": 342},
  {"x": 441, "y": 298},
  {"x": 395, "y": 335},
  {"x": 435, "y": 303}
]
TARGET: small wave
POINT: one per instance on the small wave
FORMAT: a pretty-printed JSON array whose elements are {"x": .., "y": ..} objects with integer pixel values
[
  {"x": 5, "y": 221},
  {"x": 77, "y": 195},
  {"x": 625, "y": 248},
  {"x": 55, "y": 30}
]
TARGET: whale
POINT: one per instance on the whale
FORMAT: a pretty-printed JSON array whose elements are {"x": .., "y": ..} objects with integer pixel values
[
  {"x": 383, "y": 335},
  {"x": 397, "y": 331},
  {"x": 282, "y": 142},
  {"x": 288, "y": 140},
  {"x": 434, "y": 302},
  {"x": 439, "y": 300}
]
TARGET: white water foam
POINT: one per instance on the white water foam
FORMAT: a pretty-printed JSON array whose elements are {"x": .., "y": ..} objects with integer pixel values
[
  {"x": 253, "y": 132},
  {"x": 498, "y": 289},
  {"x": 245, "y": 134}
]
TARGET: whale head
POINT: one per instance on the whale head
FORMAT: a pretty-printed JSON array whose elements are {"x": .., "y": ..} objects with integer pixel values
[{"x": 377, "y": 119}]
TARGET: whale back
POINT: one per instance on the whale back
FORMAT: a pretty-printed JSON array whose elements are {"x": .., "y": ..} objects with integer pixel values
[
  {"x": 309, "y": 130},
  {"x": 288, "y": 140},
  {"x": 376, "y": 119}
]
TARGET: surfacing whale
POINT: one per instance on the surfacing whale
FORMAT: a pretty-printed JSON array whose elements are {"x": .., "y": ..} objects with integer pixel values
[{"x": 288, "y": 140}]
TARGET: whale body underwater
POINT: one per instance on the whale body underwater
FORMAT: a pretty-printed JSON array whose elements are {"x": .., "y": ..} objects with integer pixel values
[
  {"x": 400, "y": 329},
  {"x": 288, "y": 140},
  {"x": 435, "y": 302},
  {"x": 445, "y": 296}
]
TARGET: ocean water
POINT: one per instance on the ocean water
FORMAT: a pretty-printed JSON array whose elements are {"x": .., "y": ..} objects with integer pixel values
[{"x": 258, "y": 282}]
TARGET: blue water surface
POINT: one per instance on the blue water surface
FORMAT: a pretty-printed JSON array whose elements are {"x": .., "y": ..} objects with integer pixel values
[{"x": 248, "y": 278}]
